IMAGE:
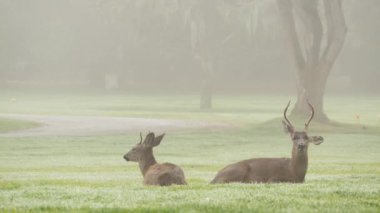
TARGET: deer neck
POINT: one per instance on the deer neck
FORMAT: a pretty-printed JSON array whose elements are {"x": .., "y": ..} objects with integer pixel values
[
  {"x": 299, "y": 163},
  {"x": 147, "y": 160}
]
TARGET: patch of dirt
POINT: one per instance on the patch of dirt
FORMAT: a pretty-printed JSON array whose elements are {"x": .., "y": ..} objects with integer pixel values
[{"x": 98, "y": 125}]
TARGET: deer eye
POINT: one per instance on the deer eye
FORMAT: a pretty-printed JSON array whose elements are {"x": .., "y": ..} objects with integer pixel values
[{"x": 296, "y": 137}]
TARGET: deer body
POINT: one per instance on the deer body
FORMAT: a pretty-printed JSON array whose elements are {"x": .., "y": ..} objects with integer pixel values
[
  {"x": 154, "y": 173},
  {"x": 264, "y": 170},
  {"x": 269, "y": 170},
  {"x": 164, "y": 175}
]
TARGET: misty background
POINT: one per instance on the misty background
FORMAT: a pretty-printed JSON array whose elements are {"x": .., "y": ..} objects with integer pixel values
[
  {"x": 146, "y": 45},
  {"x": 82, "y": 81}
]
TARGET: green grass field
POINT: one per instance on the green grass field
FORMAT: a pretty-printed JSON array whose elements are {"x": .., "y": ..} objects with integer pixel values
[
  {"x": 7, "y": 125},
  {"x": 88, "y": 174}
]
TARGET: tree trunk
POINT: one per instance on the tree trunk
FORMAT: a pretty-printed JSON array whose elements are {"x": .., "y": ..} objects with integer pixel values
[
  {"x": 313, "y": 59},
  {"x": 206, "y": 95},
  {"x": 312, "y": 89},
  {"x": 207, "y": 85}
]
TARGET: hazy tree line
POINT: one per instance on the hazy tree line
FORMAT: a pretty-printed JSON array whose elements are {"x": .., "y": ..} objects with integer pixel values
[{"x": 195, "y": 45}]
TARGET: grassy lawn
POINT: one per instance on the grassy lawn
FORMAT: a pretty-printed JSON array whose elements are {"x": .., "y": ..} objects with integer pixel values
[
  {"x": 7, "y": 125},
  {"x": 88, "y": 174}
]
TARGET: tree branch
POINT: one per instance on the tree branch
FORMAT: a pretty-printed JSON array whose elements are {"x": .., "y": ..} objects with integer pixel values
[
  {"x": 286, "y": 12},
  {"x": 311, "y": 24},
  {"x": 336, "y": 33}
]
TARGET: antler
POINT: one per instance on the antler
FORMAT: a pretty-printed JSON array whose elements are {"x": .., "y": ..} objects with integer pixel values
[
  {"x": 312, "y": 114},
  {"x": 140, "y": 137},
  {"x": 286, "y": 119}
]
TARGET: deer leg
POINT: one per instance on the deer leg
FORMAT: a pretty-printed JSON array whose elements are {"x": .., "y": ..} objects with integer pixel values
[
  {"x": 274, "y": 180},
  {"x": 278, "y": 179},
  {"x": 232, "y": 173}
]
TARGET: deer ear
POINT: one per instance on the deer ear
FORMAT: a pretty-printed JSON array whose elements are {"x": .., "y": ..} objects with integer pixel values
[
  {"x": 149, "y": 139},
  {"x": 316, "y": 140},
  {"x": 287, "y": 128},
  {"x": 158, "y": 139},
  {"x": 155, "y": 141}
]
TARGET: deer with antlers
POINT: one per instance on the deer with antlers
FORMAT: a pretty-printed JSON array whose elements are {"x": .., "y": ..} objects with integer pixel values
[
  {"x": 164, "y": 174},
  {"x": 272, "y": 170}
]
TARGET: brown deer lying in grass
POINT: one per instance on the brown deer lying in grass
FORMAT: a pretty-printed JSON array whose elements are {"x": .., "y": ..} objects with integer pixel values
[
  {"x": 154, "y": 173},
  {"x": 264, "y": 170}
]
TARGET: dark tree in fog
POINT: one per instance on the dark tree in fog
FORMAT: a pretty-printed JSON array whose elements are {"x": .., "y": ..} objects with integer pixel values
[
  {"x": 203, "y": 19},
  {"x": 316, "y": 32},
  {"x": 211, "y": 24}
]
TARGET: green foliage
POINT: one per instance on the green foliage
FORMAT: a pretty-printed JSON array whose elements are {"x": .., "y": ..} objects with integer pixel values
[{"x": 88, "y": 174}]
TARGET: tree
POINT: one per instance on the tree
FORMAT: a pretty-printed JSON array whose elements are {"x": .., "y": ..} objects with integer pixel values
[
  {"x": 316, "y": 31},
  {"x": 209, "y": 30},
  {"x": 203, "y": 18},
  {"x": 136, "y": 28}
]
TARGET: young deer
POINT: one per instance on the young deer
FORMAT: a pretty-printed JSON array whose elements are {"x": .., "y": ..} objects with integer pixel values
[
  {"x": 154, "y": 173},
  {"x": 264, "y": 170}
]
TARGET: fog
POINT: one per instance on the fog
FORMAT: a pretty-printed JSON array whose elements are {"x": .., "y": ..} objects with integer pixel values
[
  {"x": 166, "y": 45},
  {"x": 229, "y": 105}
]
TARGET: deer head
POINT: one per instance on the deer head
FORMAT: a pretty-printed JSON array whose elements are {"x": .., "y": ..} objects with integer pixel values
[
  {"x": 143, "y": 148},
  {"x": 300, "y": 139}
]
